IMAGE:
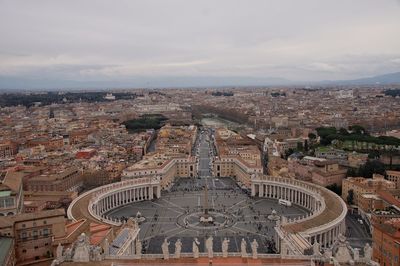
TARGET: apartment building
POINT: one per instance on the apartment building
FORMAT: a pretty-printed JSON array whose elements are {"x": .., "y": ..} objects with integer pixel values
[
  {"x": 34, "y": 232},
  {"x": 11, "y": 193},
  {"x": 361, "y": 185}
]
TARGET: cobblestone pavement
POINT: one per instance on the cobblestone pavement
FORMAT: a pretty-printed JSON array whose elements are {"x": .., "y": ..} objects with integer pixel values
[{"x": 239, "y": 216}]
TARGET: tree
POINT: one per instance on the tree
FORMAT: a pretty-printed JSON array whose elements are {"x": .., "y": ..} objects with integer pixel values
[
  {"x": 288, "y": 153},
  {"x": 312, "y": 136},
  {"x": 335, "y": 188},
  {"x": 350, "y": 197},
  {"x": 358, "y": 130},
  {"x": 352, "y": 172},
  {"x": 299, "y": 146},
  {"x": 370, "y": 168},
  {"x": 343, "y": 131},
  {"x": 305, "y": 145}
]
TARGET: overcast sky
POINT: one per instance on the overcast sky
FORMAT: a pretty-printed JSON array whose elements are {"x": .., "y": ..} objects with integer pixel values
[{"x": 109, "y": 40}]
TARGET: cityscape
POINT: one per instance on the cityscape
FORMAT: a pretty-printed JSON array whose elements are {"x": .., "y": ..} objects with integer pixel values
[{"x": 110, "y": 156}]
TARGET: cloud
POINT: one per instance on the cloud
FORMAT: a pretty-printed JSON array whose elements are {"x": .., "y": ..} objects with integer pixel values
[{"x": 299, "y": 40}]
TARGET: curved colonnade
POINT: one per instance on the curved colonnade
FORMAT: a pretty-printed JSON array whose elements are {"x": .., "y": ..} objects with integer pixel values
[
  {"x": 108, "y": 197},
  {"x": 323, "y": 225},
  {"x": 294, "y": 236}
]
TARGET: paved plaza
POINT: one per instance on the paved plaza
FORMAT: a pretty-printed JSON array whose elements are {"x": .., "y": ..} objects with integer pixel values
[{"x": 236, "y": 215}]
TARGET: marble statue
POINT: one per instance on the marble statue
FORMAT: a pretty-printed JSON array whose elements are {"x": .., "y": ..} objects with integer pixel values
[
  {"x": 243, "y": 248},
  {"x": 106, "y": 247},
  {"x": 209, "y": 246},
  {"x": 225, "y": 245},
  {"x": 59, "y": 252},
  {"x": 81, "y": 249},
  {"x": 55, "y": 263},
  {"x": 342, "y": 253},
  {"x": 356, "y": 254},
  {"x": 165, "y": 249},
  {"x": 327, "y": 253},
  {"x": 316, "y": 249},
  {"x": 96, "y": 254},
  {"x": 195, "y": 248},
  {"x": 68, "y": 254},
  {"x": 367, "y": 252},
  {"x": 178, "y": 248},
  {"x": 138, "y": 248},
  {"x": 254, "y": 246}
]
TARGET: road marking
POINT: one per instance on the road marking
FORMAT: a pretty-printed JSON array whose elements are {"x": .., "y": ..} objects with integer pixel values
[
  {"x": 173, "y": 204},
  {"x": 247, "y": 231},
  {"x": 162, "y": 206},
  {"x": 236, "y": 204}
]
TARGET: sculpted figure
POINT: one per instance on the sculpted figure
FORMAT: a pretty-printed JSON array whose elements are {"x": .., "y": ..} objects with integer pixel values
[
  {"x": 82, "y": 249},
  {"x": 254, "y": 246},
  {"x": 59, "y": 252},
  {"x": 195, "y": 248},
  {"x": 209, "y": 246},
  {"x": 367, "y": 252},
  {"x": 316, "y": 248},
  {"x": 243, "y": 248},
  {"x": 106, "y": 247},
  {"x": 165, "y": 250},
  {"x": 178, "y": 248},
  {"x": 225, "y": 245},
  {"x": 68, "y": 254},
  {"x": 138, "y": 248}
]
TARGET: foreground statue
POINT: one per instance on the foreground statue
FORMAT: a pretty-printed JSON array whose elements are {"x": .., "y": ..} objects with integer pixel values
[
  {"x": 209, "y": 247},
  {"x": 59, "y": 253},
  {"x": 178, "y": 248},
  {"x": 225, "y": 245},
  {"x": 243, "y": 248},
  {"x": 195, "y": 248},
  {"x": 81, "y": 249},
  {"x": 254, "y": 247},
  {"x": 367, "y": 252},
  {"x": 165, "y": 249},
  {"x": 138, "y": 248}
]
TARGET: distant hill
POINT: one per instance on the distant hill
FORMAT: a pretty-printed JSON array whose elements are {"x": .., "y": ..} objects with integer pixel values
[
  {"x": 28, "y": 83},
  {"x": 391, "y": 78}
]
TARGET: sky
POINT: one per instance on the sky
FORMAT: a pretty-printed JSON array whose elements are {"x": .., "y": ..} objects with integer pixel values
[{"x": 96, "y": 40}]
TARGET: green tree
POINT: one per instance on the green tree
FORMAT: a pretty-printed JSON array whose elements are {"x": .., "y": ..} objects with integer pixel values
[
  {"x": 370, "y": 168},
  {"x": 350, "y": 197},
  {"x": 343, "y": 131},
  {"x": 335, "y": 188},
  {"x": 312, "y": 136}
]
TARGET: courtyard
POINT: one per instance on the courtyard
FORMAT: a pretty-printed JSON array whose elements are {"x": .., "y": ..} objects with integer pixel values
[{"x": 176, "y": 215}]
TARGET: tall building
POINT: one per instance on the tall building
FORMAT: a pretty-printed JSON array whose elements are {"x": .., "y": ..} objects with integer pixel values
[
  {"x": 11, "y": 193},
  {"x": 33, "y": 233},
  {"x": 386, "y": 242}
]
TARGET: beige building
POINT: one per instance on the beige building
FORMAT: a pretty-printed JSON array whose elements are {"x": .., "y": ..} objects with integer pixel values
[
  {"x": 394, "y": 176},
  {"x": 166, "y": 168},
  {"x": 68, "y": 179},
  {"x": 11, "y": 193},
  {"x": 34, "y": 233},
  {"x": 237, "y": 157},
  {"x": 361, "y": 186}
]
